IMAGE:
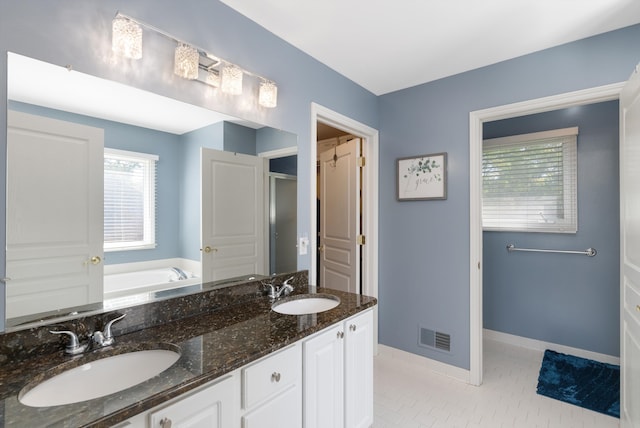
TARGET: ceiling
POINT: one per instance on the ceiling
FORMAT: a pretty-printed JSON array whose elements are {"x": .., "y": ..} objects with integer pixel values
[
  {"x": 386, "y": 46},
  {"x": 104, "y": 99}
]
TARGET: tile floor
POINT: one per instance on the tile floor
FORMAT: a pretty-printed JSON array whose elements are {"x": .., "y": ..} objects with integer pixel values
[{"x": 409, "y": 396}]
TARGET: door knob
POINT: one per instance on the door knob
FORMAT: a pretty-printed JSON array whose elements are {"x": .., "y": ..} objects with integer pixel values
[
  {"x": 95, "y": 260},
  {"x": 208, "y": 249},
  {"x": 321, "y": 248}
]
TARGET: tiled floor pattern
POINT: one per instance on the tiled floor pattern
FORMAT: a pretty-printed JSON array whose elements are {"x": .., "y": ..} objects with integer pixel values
[{"x": 409, "y": 396}]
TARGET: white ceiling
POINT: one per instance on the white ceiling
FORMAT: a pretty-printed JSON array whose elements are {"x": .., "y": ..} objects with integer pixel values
[
  {"x": 40, "y": 83},
  {"x": 386, "y": 45}
]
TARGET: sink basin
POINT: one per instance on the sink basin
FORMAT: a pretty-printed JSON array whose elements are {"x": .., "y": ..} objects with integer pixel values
[
  {"x": 98, "y": 378},
  {"x": 306, "y": 304}
]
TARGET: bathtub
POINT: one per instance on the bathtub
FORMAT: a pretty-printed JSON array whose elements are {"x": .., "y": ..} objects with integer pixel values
[{"x": 118, "y": 283}]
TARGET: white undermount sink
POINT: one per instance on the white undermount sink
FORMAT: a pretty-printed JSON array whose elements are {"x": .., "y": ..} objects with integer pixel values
[
  {"x": 99, "y": 378},
  {"x": 304, "y": 304}
]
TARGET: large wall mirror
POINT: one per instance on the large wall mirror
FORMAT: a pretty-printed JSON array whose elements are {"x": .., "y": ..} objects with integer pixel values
[{"x": 87, "y": 229}]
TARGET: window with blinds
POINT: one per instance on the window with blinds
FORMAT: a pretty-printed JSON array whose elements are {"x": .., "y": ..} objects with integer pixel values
[
  {"x": 129, "y": 200},
  {"x": 529, "y": 182}
]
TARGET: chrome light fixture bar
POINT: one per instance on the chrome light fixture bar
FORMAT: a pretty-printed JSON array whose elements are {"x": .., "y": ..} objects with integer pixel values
[{"x": 189, "y": 61}]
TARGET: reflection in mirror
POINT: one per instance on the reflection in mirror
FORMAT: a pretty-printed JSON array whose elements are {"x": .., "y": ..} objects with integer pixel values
[{"x": 115, "y": 194}]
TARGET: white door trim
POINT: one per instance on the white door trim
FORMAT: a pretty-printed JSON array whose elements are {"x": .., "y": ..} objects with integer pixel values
[
  {"x": 476, "y": 119},
  {"x": 370, "y": 185}
]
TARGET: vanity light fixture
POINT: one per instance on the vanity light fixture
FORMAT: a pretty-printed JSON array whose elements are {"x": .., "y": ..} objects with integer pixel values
[
  {"x": 189, "y": 60},
  {"x": 186, "y": 61},
  {"x": 231, "y": 79},
  {"x": 268, "y": 94},
  {"x": 126, "y": 37},
  {"x": 213, "y": 78}
]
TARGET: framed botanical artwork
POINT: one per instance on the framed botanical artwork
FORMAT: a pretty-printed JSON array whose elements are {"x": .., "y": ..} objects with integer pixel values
[{"x": 422, "y": 178}]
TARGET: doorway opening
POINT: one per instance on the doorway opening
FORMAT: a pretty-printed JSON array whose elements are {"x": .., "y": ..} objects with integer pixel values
[
  {"x": 477, "y": 119},
  {"x": 368, "y": 198}
]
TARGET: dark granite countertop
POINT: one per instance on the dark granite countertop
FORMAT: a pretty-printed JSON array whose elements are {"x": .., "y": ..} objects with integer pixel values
[{"x": 212, "y": 343}]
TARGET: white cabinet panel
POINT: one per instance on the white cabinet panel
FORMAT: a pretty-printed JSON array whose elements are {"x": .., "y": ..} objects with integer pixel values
[
  {"x": 324, "y": 379},
  {"x": 338, "y": 375},
  {"x": 359, "y": 371},
  {"x": 213, "y": 407},
  {"x": 284, "y": 411}
]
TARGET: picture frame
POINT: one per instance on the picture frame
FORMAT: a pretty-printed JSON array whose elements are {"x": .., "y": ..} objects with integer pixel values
[{"x": 422, "y": 178}]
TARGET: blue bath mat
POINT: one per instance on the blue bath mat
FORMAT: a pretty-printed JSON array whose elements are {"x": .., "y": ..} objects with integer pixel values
[{"x": 585, "y": 383}]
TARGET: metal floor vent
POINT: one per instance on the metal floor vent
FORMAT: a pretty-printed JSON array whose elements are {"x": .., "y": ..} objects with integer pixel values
[{"x": 434, "y": 339}]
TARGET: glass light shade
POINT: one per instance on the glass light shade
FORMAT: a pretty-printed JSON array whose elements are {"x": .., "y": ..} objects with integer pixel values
[
  {"x": 231, "y": 80},
  {"x": 213, "y": 78},
  {"x": 268, "y": 95},
  {"x": 186, "y": 62},
  {"x": 126, "y": 38}
]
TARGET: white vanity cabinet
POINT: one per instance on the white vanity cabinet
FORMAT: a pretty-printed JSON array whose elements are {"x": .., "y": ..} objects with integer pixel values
[
  {"x": 325, "y": 381},
  {"x": 338, "y": 375},
  {"x": 272, "y": 390}
]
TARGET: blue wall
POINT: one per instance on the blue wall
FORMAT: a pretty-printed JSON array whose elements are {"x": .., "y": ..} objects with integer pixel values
[
  {"x": 269, "y": 139},
  {"x": 239, "y": 139},
  {"x": 424, "y": 251},
  {"x": 566, "y": 299}
]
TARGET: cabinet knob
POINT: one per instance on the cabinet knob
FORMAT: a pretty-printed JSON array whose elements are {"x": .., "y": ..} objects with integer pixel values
[
  {"x": 340, "y": 335},
  {"x": 352, "y": 327},
  {"x": 275, "y": 377},
  {"x": 165, "y": 423}
]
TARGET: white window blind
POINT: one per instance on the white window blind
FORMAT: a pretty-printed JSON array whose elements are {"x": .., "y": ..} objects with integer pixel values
[
  {"x": 529, "y": 182},
  {"x": 129, "y": 200}
]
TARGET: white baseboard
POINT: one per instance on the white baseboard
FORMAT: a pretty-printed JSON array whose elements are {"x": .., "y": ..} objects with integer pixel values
[
  {"x": 424, "y": 362},
  {"x": 539, "y": 345}
]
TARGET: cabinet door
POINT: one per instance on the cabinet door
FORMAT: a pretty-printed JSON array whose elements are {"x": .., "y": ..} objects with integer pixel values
[
  {"x": 213, "y": 407},
  {"x": 323, "y": 380},
  {"x": 284, "y": 411},
  {"x": 359, "y": 371}
]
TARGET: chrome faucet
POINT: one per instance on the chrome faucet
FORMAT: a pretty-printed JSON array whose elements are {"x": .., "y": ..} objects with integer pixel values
[
  {"x": 105, "y": 337},
  {"x": 74, "y": 347},
  {"x": 276, "y": 292},
  {"x": 181, "y": 274},
  {"x": 99, "y": 338}
]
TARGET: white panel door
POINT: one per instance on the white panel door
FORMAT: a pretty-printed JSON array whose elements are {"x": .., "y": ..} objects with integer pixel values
[
  {"x": 233, "y": 229},
  {"x": 630, "y": 252},
  {"x": 324, "y": 380},
  {"x": 54, "y": 214},
  {"x": 340, "y": 217}
]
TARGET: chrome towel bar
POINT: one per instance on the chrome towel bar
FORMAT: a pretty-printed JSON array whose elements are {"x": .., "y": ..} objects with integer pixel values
[{"x": 591, "y": 252}]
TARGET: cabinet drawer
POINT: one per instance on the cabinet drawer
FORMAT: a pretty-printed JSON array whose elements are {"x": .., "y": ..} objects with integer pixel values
[{"x": 271, "y": 375}]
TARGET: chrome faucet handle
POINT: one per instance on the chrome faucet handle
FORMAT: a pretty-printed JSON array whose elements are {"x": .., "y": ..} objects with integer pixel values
[
  {"x": 271, "y": 292},
  {"x": 106, "y": 332},
  {"x": 74, "y": 347},
  {"x": 286, "y": 282}
]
